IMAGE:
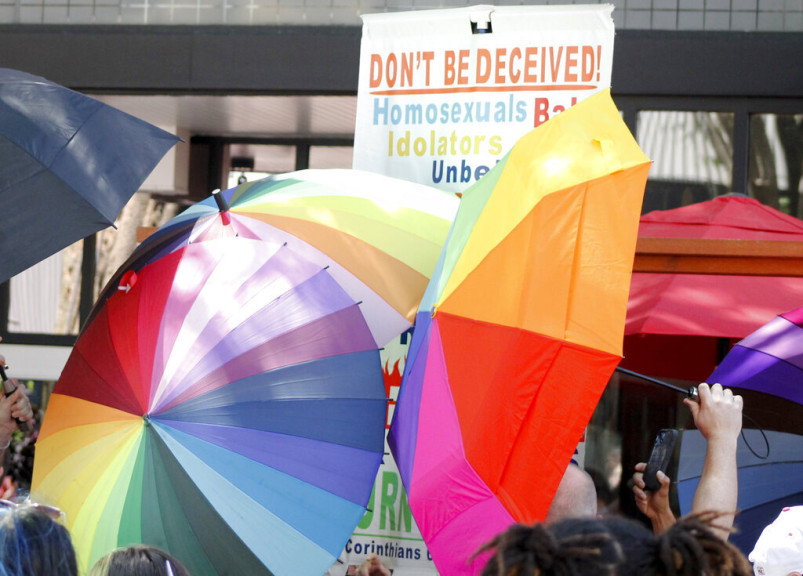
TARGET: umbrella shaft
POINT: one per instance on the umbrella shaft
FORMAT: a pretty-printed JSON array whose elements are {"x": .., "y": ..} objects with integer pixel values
[{"x": 691, "y": 393}]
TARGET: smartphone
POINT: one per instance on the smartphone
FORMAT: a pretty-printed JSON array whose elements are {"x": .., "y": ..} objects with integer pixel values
[
  {"x": 8, "y": 389},
  {"x": 660, "y": 457}
]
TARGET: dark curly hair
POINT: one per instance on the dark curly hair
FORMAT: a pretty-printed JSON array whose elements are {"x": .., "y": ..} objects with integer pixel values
[{"x": 614, "y": 546}]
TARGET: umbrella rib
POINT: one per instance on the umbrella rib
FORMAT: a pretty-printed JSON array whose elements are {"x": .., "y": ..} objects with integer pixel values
[
  {"x": 64, "y": 147},
  {"x": 521, "y": 430},
  {"x": 45, "y": 168},
  {"x": 434, "y": 535},
  {"x": 575, "y": 260},
  {"x": 772, "y": 463},
  {"x": 105, "y": 381}
]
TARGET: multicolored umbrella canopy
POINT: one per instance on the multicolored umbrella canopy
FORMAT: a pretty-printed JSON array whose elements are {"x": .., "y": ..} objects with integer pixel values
[
  {"x": 226, "y": 404},
  {"x": 769, "y": 360},
  {"x": 519, "y": 331},
  {"x": 68, "y": 165},
  {"x": 381, "y": 236}
]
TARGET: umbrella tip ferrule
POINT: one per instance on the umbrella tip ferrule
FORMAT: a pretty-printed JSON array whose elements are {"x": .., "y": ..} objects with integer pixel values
[{"x": 222, "y": 205}]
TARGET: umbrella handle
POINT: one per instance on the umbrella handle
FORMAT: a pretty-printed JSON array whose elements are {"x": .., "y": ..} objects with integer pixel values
[
  {"x": 763, "y": 435},
  {"x": 693, "y": 395},
  {"x": 8, "y": 389}
]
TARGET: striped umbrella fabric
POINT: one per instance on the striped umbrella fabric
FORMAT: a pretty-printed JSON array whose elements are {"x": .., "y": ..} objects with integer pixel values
[
  {"x": 225, "y": 400},
  {"x": 767, "y": 365},
  {"x": 769, "y": 360},
  {"x": 382, "y": 236},
  {"x": 226, "y": 405}
]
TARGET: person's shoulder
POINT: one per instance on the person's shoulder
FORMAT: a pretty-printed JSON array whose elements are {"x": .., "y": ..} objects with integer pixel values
[{"x": 779, "y": 549}]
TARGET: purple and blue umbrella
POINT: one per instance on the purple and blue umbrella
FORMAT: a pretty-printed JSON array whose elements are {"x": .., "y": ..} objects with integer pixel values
[
  {"x": 767, "y": 368},
  {"x": 770, "y": 360},
  {"x": 226, "y": 404},
  {"x": 767, "y": 482}
]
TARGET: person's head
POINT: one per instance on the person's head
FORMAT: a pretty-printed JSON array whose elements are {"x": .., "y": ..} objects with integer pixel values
[
  {"x": 779, "y": 549},
  {"x": 32, "y": 543},
  {"x": 613, "y": 546},
  {"x": 605, "y": 495},
  {"x": 138, "y": 561},
  {"x": 576, "y": 496}
]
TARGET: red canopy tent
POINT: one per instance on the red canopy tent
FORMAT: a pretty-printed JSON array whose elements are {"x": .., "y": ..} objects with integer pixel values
[
  {"x": 688, "y": 315},
  {"x": 742, "y": 265}
]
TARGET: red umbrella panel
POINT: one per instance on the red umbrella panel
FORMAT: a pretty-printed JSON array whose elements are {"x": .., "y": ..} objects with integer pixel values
[
  {"x": 227, "y": 405},
  {"x": 676, "y": 323}
]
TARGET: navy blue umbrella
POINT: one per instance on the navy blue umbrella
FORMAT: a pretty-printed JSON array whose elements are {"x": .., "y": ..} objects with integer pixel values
[
  {"x": 68, "y": 165},
  {"x": 768, "y": 479}
]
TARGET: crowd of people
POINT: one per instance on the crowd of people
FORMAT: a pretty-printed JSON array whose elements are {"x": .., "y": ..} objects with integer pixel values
[
  {"x": 34, "y": 542},
  {"x": 573, "y": 540}
]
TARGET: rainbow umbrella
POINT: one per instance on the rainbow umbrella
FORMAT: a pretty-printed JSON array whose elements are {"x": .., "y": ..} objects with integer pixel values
[
  {"x": 381, "y": 236},
  {"x": 225, "y": 404},
  {"x": 225, "y": 400},
  {"x": 519, "y": 331}
]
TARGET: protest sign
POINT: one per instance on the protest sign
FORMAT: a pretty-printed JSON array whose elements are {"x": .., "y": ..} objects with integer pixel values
[{"x": 444, "y": 94}]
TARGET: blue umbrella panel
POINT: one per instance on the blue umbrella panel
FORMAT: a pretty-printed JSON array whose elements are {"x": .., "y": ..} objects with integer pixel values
[{"x": 765, "y": 484}]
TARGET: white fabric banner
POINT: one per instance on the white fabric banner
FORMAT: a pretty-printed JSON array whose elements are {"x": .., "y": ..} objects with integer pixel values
[{"x": 444, "y": 94}]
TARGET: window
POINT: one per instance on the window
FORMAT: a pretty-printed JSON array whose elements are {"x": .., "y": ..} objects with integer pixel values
[
  {"x": 692, "y": 156},
  {"x": 776, "y": 159},
  {"x": 44, "y": 299}
]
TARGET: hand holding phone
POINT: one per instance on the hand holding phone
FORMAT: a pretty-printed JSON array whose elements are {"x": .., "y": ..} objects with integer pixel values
[
  {"x": 8, "y": 389},
  {"x": 660, "y": 457}
]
